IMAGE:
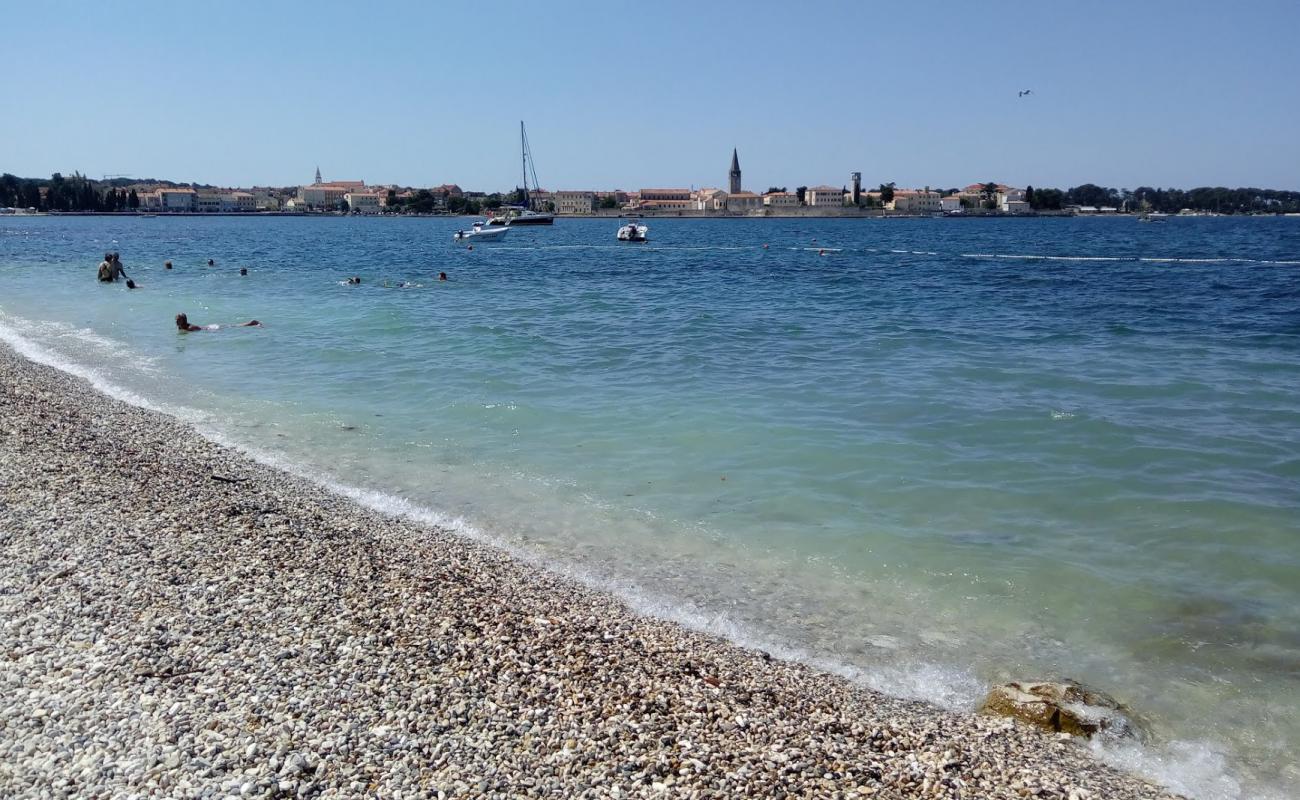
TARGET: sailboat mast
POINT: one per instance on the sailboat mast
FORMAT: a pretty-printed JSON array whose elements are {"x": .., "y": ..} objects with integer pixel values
[{"x": 523, "y": 157}]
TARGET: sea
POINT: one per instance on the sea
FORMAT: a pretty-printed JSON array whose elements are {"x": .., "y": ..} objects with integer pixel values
[{"x": 929, "y": 455}]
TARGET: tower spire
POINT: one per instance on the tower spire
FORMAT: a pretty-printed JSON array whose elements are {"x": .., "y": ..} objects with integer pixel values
[
  {"x": 735, "y": 171},
  {"x": 317, "y": 173}
]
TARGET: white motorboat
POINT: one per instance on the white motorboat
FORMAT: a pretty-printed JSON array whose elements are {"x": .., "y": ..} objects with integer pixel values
[
  {"x": 481, "y": 233},
  {"x": 633, "y": 232}
]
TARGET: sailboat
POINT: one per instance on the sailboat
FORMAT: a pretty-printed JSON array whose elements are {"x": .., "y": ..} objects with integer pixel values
[{"x": 524, "y": 214}]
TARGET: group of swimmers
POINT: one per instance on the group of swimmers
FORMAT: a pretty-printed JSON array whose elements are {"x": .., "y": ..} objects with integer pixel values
[{"x": 110, "y": 269}]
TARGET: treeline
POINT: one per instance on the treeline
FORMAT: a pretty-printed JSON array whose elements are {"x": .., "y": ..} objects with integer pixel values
[
  {"x": 75, "y": 193},
  {"x": 1219, "y": 199},
  {"x": 424, "y": 201}
]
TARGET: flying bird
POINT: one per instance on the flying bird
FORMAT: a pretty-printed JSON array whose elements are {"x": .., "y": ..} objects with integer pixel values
[{"x": 1025, "y": 92}]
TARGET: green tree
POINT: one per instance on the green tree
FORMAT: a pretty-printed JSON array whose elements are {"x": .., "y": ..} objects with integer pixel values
[
  {"x": 772, "y": 189},
  {"x": 609, "y": 201},
  {"x": 801, "y": 192},
  {"x": 887, "y": 193},
  {"x": 133, "y": 200}
]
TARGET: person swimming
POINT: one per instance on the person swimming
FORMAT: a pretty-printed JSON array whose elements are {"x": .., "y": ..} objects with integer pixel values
[
  {"x": 184, "y": 326},
  {"x": 243, "y": 270},
  {"x": 442, "y": 276},
  {"x": 355, "y": 280},
  {"x": 211, "y": 263},
  {"x": 167, "y": 265}
]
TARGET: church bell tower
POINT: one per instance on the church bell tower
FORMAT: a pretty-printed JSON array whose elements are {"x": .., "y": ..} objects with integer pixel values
[{"x": 735, "y": 172}]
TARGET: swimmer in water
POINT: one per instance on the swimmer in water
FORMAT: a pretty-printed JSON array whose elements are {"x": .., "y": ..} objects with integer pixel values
[
  {"x": 243, "y": 270},
  {"x": 211, "y": 263},
  {"x": 183, "y": 325},
  {"x": 167, "y": 265},
  {"x": 442, "y": 276}
]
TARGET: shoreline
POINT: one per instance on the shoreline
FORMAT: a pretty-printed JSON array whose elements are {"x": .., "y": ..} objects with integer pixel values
[{"x": 182, "y": 620}]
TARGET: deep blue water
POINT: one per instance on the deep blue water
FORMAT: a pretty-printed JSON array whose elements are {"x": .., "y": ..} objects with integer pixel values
[{"x": 931, "y": 454}]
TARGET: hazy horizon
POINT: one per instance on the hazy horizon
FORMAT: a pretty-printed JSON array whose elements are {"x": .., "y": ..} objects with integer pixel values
[{"x": 620, "y": 97}]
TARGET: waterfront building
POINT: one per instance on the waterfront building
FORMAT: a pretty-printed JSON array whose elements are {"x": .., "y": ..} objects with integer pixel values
[
  {"x": 710, "y": 200},
  {"x": 781, "y": 200},
  {"x": 237, "y": 201},
  {"x": 176, "y": 199},
  {"x": 734, "y": 174},
  {"x": 1015, "y": 207},
  {"x": 824, "y": 196},
  {"x": 321, "y": 196},
  {"x": 207, "y": 202},
  {"x": 950, "y": 204},
  {"x": 265, "y": 201},
  {"x": 855, "y": 180},
  {"x": 743, "y": 202},
  {"x": 574, "y": 202},
  {"x": 362, "y": 202},
  {"x": 665, "y": 199},
  {"x": 915, "y": 201}
]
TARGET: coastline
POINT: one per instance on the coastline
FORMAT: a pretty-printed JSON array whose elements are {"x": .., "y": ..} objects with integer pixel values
[{"x": 180, "y": 619}]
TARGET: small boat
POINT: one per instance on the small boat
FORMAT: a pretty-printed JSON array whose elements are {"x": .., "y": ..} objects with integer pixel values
[
  {"x": 633, "y": 232},
  {"x": 480, "y": 233}
]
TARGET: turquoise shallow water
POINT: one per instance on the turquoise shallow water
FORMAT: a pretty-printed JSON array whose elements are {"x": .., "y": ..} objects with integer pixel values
[{"x": 941, "y": 454}]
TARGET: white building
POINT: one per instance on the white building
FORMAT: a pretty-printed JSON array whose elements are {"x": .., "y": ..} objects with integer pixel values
[
  {"x": 176, "y": 199},
  {"x": 824, "y": 196},
  {"x": 950, "y": 204},
  {"x": 574, "y": 202},
  {"x": 1015, "y": 207},
  {"x": 781, "y": 200},
  {"x": 362, "y": 202}
]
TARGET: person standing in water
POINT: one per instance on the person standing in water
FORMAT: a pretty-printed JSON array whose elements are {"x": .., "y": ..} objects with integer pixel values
[
  {"x": 106, "y": 268},
  {"x": 118, "y": 272}
]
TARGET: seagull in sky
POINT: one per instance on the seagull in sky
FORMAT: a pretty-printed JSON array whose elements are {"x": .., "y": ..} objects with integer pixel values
[{"x": 1025, "y": 92}]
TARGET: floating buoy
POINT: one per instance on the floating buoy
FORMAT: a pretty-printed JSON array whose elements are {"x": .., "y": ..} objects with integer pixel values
[{"x": 764, "y": 246}]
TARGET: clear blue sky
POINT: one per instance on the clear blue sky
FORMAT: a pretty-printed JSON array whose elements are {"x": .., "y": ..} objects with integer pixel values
[{"x": 656, "y": 94}]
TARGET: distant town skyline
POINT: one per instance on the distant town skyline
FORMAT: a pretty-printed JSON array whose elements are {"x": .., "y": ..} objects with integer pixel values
[{"x": 1156, "y": 94}]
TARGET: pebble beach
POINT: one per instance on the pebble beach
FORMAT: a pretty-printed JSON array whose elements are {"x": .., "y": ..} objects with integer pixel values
[{"x": 178, "y": 620}]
